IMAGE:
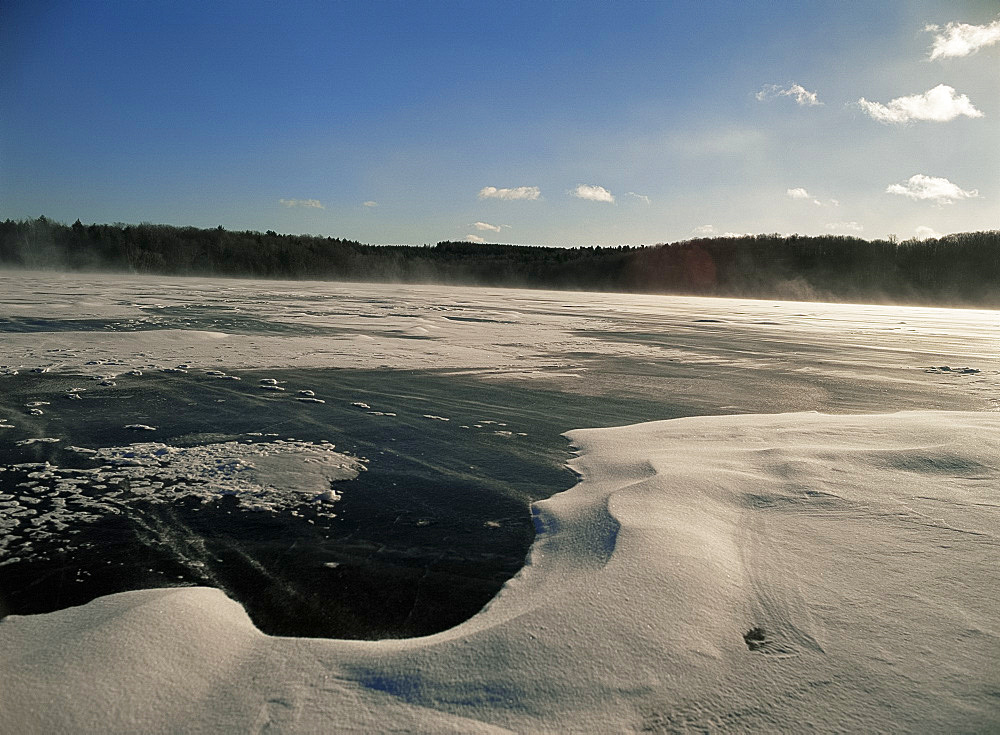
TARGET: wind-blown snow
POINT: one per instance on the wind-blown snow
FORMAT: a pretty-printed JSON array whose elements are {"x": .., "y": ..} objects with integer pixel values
[
  {"x": 50, "y": 323},
  {"x": 862, "y": 548}
]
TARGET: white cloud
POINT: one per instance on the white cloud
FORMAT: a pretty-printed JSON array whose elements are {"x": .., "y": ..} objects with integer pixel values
[
  {"x": 369, "y": 204},
  {"x": 962, "y": 39},
  {"x": 593, "y": 193},
  {"x": 940, "y": 104},
  {"x": 705, "y": 230},
  {"x": 314, "y": 203},
  {"x": 487, "y": 226},
  {"x": 800, "y": 193},
  {"x": 529, "y": 193},
  {"x": 851, "y": 226},
  {"x": 925, "y": 233},
  {"x": 641, "y": 197},
  {"x": 474, "y": 238},
  {"x": 936, "y": 189},
  {"x": 802, "y": 95}
]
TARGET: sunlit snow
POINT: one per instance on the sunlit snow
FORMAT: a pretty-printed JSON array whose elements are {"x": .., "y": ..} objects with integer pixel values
[{"x": 821, "y": 557}]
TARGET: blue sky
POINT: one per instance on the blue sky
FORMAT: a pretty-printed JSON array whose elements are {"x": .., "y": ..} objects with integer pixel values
[{"x": 544, "y": 123}]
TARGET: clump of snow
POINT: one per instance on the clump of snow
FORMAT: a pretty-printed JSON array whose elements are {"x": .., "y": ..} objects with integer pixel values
[
  {"x": 738, "y": 573},
  {"x": 274, "y": 477},
  {"x": 263, "y": 476}
]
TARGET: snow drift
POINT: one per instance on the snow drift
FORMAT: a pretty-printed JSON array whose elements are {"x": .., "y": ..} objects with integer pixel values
[{"x": 792, "y": 572}]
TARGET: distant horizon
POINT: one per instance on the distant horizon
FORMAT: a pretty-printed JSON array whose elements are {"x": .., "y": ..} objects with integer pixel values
[{"x": 555, "y": 124}]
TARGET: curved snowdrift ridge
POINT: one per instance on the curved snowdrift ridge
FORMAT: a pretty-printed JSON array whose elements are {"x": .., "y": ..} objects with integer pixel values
[{"x": 862, "y": 548}]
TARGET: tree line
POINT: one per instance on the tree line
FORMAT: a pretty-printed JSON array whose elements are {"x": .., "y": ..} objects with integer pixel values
[{"x": 961, "y": 269}]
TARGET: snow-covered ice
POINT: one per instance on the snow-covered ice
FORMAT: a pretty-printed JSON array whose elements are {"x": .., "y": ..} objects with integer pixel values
[
  {"x": 861, "y": 548},
  {"x": 770, "y": 570}
]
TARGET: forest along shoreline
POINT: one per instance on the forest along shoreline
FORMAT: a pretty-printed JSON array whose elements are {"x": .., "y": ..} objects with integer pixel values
[{"x": 954, "y": 270}]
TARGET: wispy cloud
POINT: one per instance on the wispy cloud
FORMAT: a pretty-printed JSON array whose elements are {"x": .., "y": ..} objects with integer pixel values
[
  {"x": 481, "y": 226},
  {"x": 641, "y": 197},
  {"x": 518, "y": 192},
  {"x": 935, "y": 189},
  {"x": 314, "y": 203},
  {"x": 940, "y": 104},
  {"x": 369, "y": 204},
  {"x": 593, "y": 193},
  {"x": 474, "y": 238},
  {"x": 962, "y": 39},
  {"x": 802, "y": 96},
  {"x": 800, "y": 193},
  {"x": 851, "y": 226},
  {"x": 705, "y": 230},
  {"x": 926, "y": 233}
]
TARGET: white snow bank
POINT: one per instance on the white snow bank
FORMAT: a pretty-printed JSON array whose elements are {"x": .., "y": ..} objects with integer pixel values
[{"x": 865, "y": 547}]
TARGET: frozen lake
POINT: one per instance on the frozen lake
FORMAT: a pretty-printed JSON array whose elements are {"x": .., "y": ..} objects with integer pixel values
[{"x": 373, "y": 461}]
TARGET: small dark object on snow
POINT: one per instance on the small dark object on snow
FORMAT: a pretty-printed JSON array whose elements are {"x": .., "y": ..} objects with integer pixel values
[{"x": 755, "y": 638}]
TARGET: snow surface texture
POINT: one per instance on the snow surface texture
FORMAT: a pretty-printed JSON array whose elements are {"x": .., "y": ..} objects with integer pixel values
[
  {"x": 771, "y": 572},
  {"x": 49, "y": 324},
  {"x": 276, "y": 477}
]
